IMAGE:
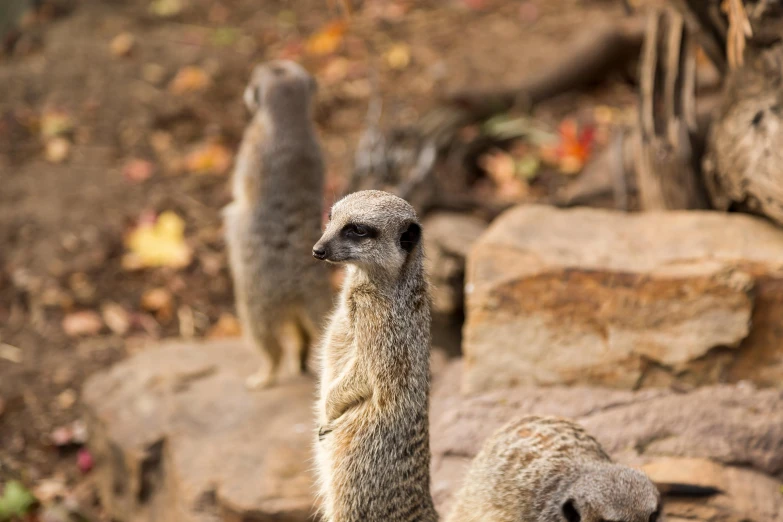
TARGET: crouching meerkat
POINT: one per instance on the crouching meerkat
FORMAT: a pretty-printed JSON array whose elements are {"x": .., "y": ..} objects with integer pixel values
[
  {"x": 275, "y": 218},
  {"x": 372, "y": 448},
  {"x": 549, "y": 469}
]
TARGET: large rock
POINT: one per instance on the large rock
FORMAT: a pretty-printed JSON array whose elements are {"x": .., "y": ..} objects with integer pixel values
[
  {"x": 597, "y": 297},
  {"x": 178, "y": 438},
  {"x": 729, "y": 437},
  {"x": 448, "y": 237}
]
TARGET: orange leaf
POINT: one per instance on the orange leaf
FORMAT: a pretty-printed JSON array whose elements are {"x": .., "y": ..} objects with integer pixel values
[
  {"x": 189, "y": 79},
  {"x": 328, "y": 39},
  {"x": 211, "y": 158},
  {"x": 227, "y": 326}
]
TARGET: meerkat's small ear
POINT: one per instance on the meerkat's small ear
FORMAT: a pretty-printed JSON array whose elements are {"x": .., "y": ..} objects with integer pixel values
[
  {"x": 313, "y": 85},
  {"x": 570, "y": 512},
  {"x": 410, "y": 237}
]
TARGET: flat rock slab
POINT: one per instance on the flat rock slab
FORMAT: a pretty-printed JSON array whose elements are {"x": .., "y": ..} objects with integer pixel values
[
  {"x": 178, "y": 438},
  {"x": 597, "y": 297}
]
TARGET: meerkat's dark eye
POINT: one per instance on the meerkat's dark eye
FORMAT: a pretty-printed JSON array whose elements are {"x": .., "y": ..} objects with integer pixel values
[
  {"x": 356, "y": 231},
  {"x": 570, "y": 512},
  {"x": 278, "y": 70},
  {"x": 656, "y": 514},
  {"x": 359, "y": 230}
]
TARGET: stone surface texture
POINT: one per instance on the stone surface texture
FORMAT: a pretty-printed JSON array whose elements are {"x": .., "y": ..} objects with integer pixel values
[
  {"x": 448, "y": 238},
  {"x": 598, "y": 297},
  {"x": 178, "y": 438}
]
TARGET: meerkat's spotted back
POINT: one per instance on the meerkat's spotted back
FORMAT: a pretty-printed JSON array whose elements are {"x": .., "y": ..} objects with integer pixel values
[
  {"x": 281, "y": 292},
  {"x": 548, "y": 469}
]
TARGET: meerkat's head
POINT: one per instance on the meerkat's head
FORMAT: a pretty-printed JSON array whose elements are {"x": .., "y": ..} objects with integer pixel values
[
  {"x": 609, "y": 492},
  {"x": 370, "y": 229},
  {"x": 279, "y": 83}
]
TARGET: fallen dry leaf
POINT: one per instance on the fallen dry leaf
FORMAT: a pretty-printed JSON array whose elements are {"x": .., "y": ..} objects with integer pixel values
[
  {"x": 573, "y": 148},
  {"x": 189, "y": 79},
  {"x": 499, "y": 165},
  {"x": 164, "y": 8},
  {"x": 47, "y": 490},
  {"x": 122, "y": 44},
  {"x": 84, "y": 460},
  {"x": 57, "y": 150},
  {"x": 86, "y": 322},
  {"x": 328, "y": 39},
  {"x": 335, "y": 71},
  {"x": 503, "y": 170},
  {"x": 66, "y": 399},
  {"x": 157, "y": 300},
  {"x": 138, "y": 170},
  {"x": 398, "y": 56},
  {"x": 153, "y": 73},
  {"x": 10, "y": 353},
  {"x": 16, "y": 501},
  {"x": 74, "y": 433},
  {"x": 159, "y": 244},
  {"x": 187, "y": 322},
  {"x": 56, "y": 122},
  {"x": 116, "y": 318},
  {"x": 210, "y": 158},
  {"x": 226, "y": 326},
  {"x": 225, "y": 36}
]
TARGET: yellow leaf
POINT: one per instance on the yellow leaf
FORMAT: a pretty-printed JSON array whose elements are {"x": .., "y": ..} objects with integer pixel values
[
  {"x": 164, "y": 8},
  {"x": 56, "y": 123},
  {"x": 161, "y": 243},
  {"x": 399, "y": 56},
  {"x": 57, "y": 150},
  {"x": 328, "y": 39}
]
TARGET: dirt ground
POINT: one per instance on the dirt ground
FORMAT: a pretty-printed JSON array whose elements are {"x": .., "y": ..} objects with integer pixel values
[{"x": 63, "y": 219}]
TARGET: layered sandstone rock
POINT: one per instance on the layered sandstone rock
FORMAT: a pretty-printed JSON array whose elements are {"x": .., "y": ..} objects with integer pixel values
[{"x": 597, "y": 297}]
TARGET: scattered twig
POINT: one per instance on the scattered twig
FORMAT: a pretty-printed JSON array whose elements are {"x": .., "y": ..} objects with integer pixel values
[{"x": 739, "y": 30}]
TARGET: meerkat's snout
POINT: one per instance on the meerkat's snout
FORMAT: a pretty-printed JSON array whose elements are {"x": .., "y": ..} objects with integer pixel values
[
  {"x": 337, "y": 247},
  {"x": 319, "y": 252}
]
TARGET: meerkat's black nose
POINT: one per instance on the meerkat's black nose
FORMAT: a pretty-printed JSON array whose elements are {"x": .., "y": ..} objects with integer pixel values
[{"x": 319, "y": 253}]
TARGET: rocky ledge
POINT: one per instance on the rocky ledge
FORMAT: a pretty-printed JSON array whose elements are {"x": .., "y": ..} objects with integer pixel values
[{"x": 178, "y": 438}]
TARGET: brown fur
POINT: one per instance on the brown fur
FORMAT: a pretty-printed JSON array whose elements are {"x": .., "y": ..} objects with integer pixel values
[
  {"x": 276, "y": 217},
  {"x": 373, "y": 444},
  {"x": 532, "y": 467}
]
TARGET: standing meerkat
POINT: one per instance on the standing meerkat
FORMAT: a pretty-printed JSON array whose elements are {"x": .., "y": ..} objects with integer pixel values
[
  {"x": 373, "y": 451},
  {"x": 548, "y": 469},
  {"x": 275, "y": 218}
]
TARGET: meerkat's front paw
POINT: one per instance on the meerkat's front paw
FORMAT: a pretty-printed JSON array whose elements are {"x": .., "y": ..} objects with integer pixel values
[{"x": 263, "y": 378}]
